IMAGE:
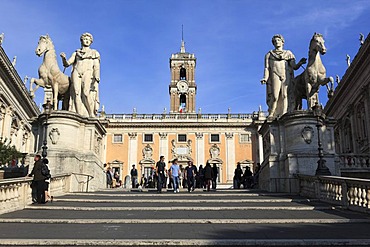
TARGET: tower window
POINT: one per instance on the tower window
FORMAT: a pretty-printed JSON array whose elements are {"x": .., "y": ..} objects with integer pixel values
[
  {"x": 182, "y": 107},
  {"x": 182, "y": 73}
]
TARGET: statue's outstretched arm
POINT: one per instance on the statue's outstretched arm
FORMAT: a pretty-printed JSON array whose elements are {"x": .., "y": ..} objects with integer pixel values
[
  {"x": 299, "y": 64},
  {"x": 71, "y": 60}
]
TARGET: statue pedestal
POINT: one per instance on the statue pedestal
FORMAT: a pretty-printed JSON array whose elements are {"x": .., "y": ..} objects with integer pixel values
[
  {"x": 75, "y": 146},
  {"x": 290, "y": 147}
]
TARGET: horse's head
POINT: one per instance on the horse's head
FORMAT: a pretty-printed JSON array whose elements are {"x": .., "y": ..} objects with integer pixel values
[
  {"x": 44, "y": 45},
  {"x": 317, "y": 43}
]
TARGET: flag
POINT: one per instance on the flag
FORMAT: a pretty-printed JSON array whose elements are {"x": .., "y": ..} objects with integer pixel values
[{"x": 182, "y": 108}]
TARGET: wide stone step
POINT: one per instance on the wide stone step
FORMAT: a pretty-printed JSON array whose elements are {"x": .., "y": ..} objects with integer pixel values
[
  {"x": 183, "y": 214},
  {"x": 185, "y": 242},
  {"x": 217, "y": 218},
  {"x": 184, "y": 234}
]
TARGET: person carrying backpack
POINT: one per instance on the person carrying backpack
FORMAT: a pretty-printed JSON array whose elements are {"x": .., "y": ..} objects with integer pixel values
[
  {"x": 38, "y": 179},
  {"x": 46, "y": 172}
]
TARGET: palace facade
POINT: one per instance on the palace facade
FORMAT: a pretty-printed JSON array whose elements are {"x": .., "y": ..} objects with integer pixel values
[
  {"x": 17, "y": 109},
  {"x": 222, "y": 139},
  {"x": 350, "y": 106}
]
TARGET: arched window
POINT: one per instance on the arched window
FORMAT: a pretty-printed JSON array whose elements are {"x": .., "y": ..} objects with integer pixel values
[{"x": 182, "y": 73}]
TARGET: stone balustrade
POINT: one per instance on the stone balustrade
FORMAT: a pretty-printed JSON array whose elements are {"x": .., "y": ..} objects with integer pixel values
[
  {"x": 182, "y": 116},
  {"x": 354, "y": 161},
  {"x": 351, "y": 193},
  {"x": 15, "y": 193}
]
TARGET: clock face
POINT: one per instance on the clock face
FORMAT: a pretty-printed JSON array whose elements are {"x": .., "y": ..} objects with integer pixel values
[{"x": 182, "y": 86}]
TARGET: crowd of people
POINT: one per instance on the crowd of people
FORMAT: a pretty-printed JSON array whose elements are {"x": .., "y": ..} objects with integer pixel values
[
  {"x": 188, "y": 177},
  {"x": 246, "y": 179}
]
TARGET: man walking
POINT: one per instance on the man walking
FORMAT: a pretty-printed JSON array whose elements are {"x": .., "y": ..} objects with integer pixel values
[
  {"x": 190, "y": 176},
  {"x": 133, "y": 174},
  {"x": 160, "y": 168},
  {"x": 175, "y": 172}
]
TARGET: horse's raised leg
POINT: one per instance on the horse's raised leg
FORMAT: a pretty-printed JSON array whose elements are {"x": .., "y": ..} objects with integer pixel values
[{"x": 38, "y": 82}]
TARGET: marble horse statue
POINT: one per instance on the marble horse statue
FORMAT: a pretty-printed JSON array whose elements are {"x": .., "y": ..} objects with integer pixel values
[
  {"x": 307, "y": 85},
  {"x": 50, "y": 75}
]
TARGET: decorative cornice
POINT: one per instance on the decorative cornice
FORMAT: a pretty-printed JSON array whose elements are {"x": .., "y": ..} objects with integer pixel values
[{"x": 16, "y": 84}]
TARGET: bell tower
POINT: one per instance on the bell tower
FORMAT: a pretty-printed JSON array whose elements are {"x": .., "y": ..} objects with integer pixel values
[{"x": 182, "y": 87}]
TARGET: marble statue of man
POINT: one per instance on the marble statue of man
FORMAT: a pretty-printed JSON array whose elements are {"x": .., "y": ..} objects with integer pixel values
[
  {"x": 279, "y": 73},
  {"x": 85, "y": 77}
]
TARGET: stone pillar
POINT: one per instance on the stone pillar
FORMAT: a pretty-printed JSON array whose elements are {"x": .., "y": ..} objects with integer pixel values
[
  {"x": 172, "y": 74},
  {"x": 2, "y": 118},
  {"x": 293, "y": 143},
  {"x": 48, "y": 95},
  {"x": 260, "y": 148},
  {"x": 353, "y": 130},
  {"x": 74, "y": 146},
  {"x": 200, "y": 152},
  {"x": 187, "y": 102},
  {"x": 8, "y": 122},
  {"x": 193, "y": 79},
  {"x": 132, "y": 151},
  {"x": 367, "y": 111},
  {"x": 230, "y": 157},
  {"x": 163, "y": 145}
]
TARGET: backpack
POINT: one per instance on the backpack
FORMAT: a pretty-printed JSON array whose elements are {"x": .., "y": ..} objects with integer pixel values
[{"x": 45, "y": 171}]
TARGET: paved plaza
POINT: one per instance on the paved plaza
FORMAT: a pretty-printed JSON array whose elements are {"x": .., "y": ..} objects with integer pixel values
[{"x": 224, "y": 217}]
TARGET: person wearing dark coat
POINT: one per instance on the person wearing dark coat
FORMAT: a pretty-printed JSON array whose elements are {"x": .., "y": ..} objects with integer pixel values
[
  {"x": 208, "y": 175},
  {"x": 214, "y": 178},
  {"x": 238, "y": 176},
  {"x": 38, "y": 179}
]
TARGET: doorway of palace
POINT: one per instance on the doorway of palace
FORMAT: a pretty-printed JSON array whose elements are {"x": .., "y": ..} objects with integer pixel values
[
  {"x": 247, "y": 163},
  {"x": 117, "y": 167}
]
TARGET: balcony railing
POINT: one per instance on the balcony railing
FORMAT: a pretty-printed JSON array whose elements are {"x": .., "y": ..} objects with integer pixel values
[
  {"x": 355, "y": 161},
  {"x": 346, "y": 192},
  {"x": 182, "y": 116},
  {"x": 16, "y": 193}
]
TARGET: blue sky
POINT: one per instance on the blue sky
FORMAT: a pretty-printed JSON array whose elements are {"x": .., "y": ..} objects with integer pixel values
[{"x": 228, "y": 37}]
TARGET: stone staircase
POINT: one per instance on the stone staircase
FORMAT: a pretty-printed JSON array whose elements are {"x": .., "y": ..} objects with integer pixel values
[{"x": 217, "y": 218}]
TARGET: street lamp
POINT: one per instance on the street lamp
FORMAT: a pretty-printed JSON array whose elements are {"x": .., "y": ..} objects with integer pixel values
[
  {"x": 322, "y": 169},
  {"x": 47, "y": 110}
]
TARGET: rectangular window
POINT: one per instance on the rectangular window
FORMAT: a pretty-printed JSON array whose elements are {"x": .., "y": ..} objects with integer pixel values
[
  {"x": 181, "y": 137},
  {"x": 215, "y": 138},
  {"x": 148, "y": 137},
  {"x": 245, "y": 138},
  {"x": 117, "y": 138}
]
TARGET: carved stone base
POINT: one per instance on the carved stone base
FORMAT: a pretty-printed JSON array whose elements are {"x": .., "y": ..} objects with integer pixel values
[
  {"x": 291, "y": 147},
  {"x": 75, "y": 145}
]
